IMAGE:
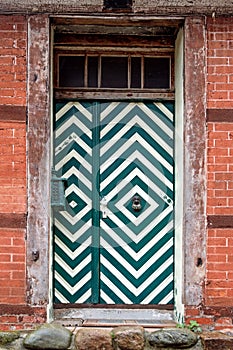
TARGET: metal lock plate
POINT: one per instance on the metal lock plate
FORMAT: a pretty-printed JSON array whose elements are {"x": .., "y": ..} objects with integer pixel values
[{"x": 58, "y": 199}]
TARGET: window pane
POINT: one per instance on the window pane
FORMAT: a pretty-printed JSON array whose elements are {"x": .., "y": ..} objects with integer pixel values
[
  {"x": 114, "y": 72},
  {"x": 157, "y": 72},
  {"x": 92, "y": 71},
  {"x": 71, "y": 71},
  {"x": 135, "y": 72}
]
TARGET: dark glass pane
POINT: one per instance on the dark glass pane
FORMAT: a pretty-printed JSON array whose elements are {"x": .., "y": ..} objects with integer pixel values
[
  {"x": 92, "y": 72},
  {"x": 71, "y": 71},
  {"x": 114, "y": 72},
  {"x": 116, "y": 4},
  {"x": 135, "y": 72},
  {"x": 157, "y": 72}
]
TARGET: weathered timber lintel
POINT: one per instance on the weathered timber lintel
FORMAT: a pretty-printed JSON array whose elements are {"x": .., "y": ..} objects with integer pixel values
[
  {"x": 12, "y": 113},
  {"x": 220, "y": 115},
  {"x": 154, "y": 7},
  {"x": 220, "y": 221},
  {"x": 13, "y": 220}
]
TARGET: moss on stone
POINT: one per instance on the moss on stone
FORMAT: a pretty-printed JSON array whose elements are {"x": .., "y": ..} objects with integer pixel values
[{"x": 8, "y": 337}]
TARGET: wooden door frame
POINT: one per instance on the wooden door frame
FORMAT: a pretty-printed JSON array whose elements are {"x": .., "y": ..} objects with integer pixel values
[{"x": 39, "y": 144}]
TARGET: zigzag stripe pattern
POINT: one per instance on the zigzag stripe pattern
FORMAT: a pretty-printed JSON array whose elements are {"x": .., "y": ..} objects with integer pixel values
[
  {"x": 73, "y": 226},
  {"x": 136, "y": 157},
  {"x": 134, "y": 144}
]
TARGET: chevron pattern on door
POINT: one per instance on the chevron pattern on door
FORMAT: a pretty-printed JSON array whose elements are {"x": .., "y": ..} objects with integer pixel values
[
  {"x": 111, "y": 152},
  {"x": 73, "y": 227}
]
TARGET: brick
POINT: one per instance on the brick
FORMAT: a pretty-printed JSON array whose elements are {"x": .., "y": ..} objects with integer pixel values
[
  {"x": 218, "y": 152},
  {"x": 220, "y": 266},
  {"x": 226, "y": 321},
  {"x": 224, "y": 176},
  {"x": 223, "y": 160},
  {"x": 218, "y": 134},
  {"x": 5, "y": 275},
  {"x": 218, "y": 167},
  {"x": 217, "y": 184},
  {"x": 5, "y": 258},
  {"x": 212, "y": 275},
  {"x": 223, "y": 193},
  {"x": 192, "y": 312},
  {"x": 224, "y": 143},
  {"x": 223, "y": 104},
  {"x": 217, "y": 78},
  {"x": 217, "y": 258},
  {"x": 217, "y": 202},
  {"x": 223, "y": 211},
  {"x": 217, "y": 241}
]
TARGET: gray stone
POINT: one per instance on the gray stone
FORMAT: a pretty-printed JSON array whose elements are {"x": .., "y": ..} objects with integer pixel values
[
  {"x": 128, "y": 338},
  {"x": 48, "y": 336},
  {"x": 93, "y": 339},
  {"x": 172, "y": 338}
]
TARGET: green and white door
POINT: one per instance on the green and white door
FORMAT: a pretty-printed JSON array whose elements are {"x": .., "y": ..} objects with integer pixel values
[{"x": 113, "y": 243}]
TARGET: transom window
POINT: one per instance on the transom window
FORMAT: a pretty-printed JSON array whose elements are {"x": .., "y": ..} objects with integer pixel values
[{"x": 113, "y": 71}]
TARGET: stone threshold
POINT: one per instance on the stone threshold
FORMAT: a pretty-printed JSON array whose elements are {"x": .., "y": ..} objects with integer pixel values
[{"x": 110, "y": 323}]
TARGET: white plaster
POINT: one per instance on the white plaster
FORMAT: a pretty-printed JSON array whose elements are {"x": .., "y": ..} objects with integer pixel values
[{"x": 179, "y": 154}]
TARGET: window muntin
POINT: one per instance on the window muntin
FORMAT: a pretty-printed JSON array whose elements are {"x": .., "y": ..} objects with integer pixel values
[{"x": 114, "y": 71}]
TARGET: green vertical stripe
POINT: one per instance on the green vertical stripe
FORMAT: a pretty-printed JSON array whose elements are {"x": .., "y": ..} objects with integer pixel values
[{"x": 96, "y": 203}]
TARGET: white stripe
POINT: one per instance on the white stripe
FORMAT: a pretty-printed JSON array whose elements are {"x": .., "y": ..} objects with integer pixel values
[
  {"x": 134, "y": 290},
  {"x": 137, "y": 238},
  {"x": 76, "y": 236},
  {"x": 108, "y": 110},
  {"x": 69, "y": 156},
  {"x": 117, "y": 119},
  {"x": 120, "y": 205},
  {"x": 83, "y": 110},
  {"x": 137, "y": 138},
  {"x": 61, "y": 297},
  {"x": 73, "y": 188},
  {"x": 68, "y": 287},
  {"x": 69, "y": 271},
  {"x": 73, "y": 137},
  {"x": 81, "y": 178},
  {"x": 68, "y": 123},
  {"x": 165, "y": 110},
  {"x": 157, "y": 120},
  {"x": 64, "y": 110},
  {"x": 124, "y": 245},
  {"x": 105, "y": 297},
  {"x": 73, "y": 255},
  {"x": 115, "y": 289},
  {"x": 136, "y": 273},
  {"x": 167, "y": 298},
  {"x": 79, "y": 216},
  {"x": 157, "y": 290},
  {"x": 120, "y": 134},
  {"x": 81, "y": 300},
  {"x": 127, "y": 180}
]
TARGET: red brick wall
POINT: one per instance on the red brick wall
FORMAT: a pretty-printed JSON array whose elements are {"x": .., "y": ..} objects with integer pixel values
[
  {"x": 218, "y": 296},
  {"x": 220, "y": 63},
  {"x": 13, "y": 36},
  {"x": 219, "y": 283}
]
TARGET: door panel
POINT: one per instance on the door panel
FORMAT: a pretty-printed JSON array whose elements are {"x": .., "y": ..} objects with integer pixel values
[
  {"x": 106, "y": 251},
  {"x": 73, "y": 227}
]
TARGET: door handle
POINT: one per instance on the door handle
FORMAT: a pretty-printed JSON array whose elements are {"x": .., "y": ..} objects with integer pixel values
[
  {"x": 104, "y": 208},
  {"x": 136, "y": 206}
]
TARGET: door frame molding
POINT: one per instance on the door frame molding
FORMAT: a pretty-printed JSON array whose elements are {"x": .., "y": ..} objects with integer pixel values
[{"x": 189, "y": 291}]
